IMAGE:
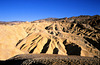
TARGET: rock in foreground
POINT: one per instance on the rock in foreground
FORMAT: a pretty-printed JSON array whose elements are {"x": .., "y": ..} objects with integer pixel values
[{"x": 47, "y": 59}]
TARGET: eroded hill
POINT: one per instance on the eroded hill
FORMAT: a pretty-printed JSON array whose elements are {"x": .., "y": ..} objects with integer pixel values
[{"x": 66, "y": 36}]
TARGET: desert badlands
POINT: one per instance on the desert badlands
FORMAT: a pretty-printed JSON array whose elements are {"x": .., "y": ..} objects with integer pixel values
[{"x": 51, "y": 41}]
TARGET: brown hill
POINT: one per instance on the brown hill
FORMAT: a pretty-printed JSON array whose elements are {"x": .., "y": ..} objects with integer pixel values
[{"x": 66, "y": 36}]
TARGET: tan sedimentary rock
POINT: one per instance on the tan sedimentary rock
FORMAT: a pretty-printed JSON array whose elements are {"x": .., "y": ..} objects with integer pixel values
[
  {"x": 55, "y": 37},
  {"x": 9, "y": 36}
]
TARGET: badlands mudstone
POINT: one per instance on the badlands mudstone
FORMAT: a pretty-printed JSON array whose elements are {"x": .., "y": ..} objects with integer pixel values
[{"x": 66, "y": 36}]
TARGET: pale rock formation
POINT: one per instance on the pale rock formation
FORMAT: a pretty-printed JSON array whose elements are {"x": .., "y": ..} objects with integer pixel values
[{"x": 9, "y": 36}]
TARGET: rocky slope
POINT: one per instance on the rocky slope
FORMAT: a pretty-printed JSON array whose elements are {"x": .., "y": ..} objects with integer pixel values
[
  {"x": 66, "y": 36},
  {"x": 50, "y": 59}
]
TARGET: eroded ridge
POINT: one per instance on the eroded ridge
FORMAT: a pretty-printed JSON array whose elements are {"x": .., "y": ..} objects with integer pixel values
[{"x": 59, "y": 38}]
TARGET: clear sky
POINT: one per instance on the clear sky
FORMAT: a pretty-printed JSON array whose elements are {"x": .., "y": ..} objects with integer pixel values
[{"x": 30, "y": 10}]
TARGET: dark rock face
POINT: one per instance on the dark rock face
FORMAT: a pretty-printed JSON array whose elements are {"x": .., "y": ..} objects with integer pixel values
[{"x": 73, "y": 49}]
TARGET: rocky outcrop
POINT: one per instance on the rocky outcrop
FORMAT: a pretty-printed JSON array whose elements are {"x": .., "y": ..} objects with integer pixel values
[{"x": 50, "y": 59}]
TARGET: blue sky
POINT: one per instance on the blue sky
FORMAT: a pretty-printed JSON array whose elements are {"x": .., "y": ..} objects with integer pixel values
[{"x": 30, "y": 10}]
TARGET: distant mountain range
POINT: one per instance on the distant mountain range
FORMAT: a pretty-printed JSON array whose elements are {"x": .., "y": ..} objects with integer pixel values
[{"x": 92, "y": 20}]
